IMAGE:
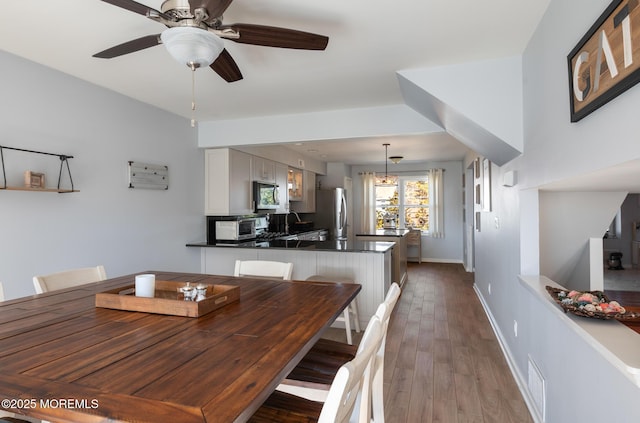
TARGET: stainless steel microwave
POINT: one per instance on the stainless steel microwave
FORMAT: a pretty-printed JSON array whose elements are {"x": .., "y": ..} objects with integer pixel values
[
  {"x": 235, "y": 230},
  {"x": 265, "y": 196}
]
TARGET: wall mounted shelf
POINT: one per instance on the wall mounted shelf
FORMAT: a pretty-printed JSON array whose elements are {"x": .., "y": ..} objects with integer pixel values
[{"x": 64, "y": 162}]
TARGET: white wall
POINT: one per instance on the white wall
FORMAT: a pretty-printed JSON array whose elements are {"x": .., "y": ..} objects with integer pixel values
[
  {"x": 390, "y": 120},
  {"x": 127, "y": 230},
  {"x": 336, "y": 172},
  {"x": 567, "y": 221},
  {"x": 555, "y": 148},
  {"x": 479, "y": 103},
  {"x": 630, "y": 212},
  {"x": 448, "y": 249}
]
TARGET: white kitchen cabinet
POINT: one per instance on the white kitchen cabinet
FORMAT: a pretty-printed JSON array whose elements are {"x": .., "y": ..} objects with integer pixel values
[
  {"x": 282, "y": 171},
  {"x": 227, "y": 182},
  {"x": 264, "y": 170},
  {"x": 399, "y": 253},
  {"x": 294, "y": 182},
  {"x": 308, "y": 202}
]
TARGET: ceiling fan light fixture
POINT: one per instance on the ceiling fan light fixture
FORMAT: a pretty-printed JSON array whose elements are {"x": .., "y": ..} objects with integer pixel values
[
  {"x": 192, "y": 46},
  {"x": 396, "y": 159}
]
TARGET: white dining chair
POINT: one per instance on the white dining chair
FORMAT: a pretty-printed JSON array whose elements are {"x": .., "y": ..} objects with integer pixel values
[
  {"x": 377, "y": 384},
  {"x": 348, "y": 398},
  {"x": 263, "y": 269},
  {"x": 351, "y": 309},
  {"x": 312, "y": 377},
  {"x": 68, "y": 278}
]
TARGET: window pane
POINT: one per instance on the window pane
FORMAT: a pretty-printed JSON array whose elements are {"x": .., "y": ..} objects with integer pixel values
[
  {"x": 408, "y": 201},
  {"x": 417, "y": 217},
  {"x": 387, "y": 199},
  {"x": 416, "y": 192},
  {"x": 382, "y": 212},
  {"x": 386, "y": 195}
]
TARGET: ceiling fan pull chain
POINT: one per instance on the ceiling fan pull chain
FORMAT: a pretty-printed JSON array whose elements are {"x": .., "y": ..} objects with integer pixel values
[{"x": 193, "y": 97}]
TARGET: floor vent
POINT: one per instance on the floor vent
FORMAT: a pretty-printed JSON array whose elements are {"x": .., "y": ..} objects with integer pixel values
[{"x": 536, "y": 387}]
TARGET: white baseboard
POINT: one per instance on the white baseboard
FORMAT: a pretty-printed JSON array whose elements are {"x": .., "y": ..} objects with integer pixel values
[
  {"x": 436, "y": 260},
  {"x": 521, "y": 381}
]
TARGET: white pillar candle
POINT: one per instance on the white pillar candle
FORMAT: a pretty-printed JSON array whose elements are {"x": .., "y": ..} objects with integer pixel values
[{"x": 145, "y": 285}]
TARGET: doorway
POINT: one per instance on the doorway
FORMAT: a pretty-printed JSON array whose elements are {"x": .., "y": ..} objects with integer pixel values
[
  {"x": 467, "y": 219},
  {"x": 621, "y": 248}
]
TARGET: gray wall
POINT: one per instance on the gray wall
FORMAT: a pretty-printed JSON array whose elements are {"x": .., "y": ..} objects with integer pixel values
[
  {"x": 127, "y": 230},
  {"x": 554, "y": 149}
]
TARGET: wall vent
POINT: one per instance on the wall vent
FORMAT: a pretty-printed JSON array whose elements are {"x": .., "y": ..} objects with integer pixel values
[{"x": 536, "y": 387}]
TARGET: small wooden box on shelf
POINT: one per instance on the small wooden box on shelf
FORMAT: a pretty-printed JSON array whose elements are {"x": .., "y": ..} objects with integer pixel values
[{"x": 33, "y": 179}]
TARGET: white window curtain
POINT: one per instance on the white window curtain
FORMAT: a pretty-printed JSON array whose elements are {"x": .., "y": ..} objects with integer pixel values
[
  {"x": 436, "y": 203},
  {"x": 368, "y": 217}
]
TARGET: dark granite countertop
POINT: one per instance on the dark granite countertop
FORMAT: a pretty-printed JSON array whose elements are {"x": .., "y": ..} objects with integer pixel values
[
  {"x": 388, "y": 232},
  {"x": 346, "y": 246}
]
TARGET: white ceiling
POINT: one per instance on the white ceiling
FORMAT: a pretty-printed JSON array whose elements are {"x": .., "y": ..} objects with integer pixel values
[
  {"x": 369, "y": 40},
  {"x": 361, "y": 151}
]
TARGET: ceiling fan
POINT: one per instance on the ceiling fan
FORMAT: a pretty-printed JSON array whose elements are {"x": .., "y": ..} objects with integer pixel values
[{"x": 202, "y": 19}]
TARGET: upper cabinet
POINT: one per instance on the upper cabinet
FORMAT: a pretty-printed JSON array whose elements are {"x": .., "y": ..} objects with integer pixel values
[
  {"x": 294, "y": 183},
  {"x": 306, "y": 201},
  {"x": 228, "y": 182},
  {"x": 264, "y": 170},
  {"x": 282, "y": 172},
  {"x": 229, "y": 177}
]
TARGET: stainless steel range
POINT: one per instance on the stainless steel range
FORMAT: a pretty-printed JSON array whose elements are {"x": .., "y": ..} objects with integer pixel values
[{"x": 263, "y": 234}]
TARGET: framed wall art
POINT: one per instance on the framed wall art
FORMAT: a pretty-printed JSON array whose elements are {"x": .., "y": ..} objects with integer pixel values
[
  {"x": 486, "y": 185},
  {"x": 606, "y": 61},
  {"x": 148, "y": 176}
]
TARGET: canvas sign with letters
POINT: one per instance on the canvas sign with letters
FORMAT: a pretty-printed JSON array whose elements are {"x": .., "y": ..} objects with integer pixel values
[{"x": 606, "y": 61}]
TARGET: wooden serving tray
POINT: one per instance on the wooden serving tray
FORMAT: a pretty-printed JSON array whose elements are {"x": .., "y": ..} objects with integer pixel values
[
  {"x": 168, "y": 299},
  {"x": 575, "y": 309}
]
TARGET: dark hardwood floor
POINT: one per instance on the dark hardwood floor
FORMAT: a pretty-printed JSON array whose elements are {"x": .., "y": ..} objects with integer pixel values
[{"x": 443, "y": 362}]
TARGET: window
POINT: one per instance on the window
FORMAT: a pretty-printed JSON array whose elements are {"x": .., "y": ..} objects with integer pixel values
[{"x": 403, "y": 197}]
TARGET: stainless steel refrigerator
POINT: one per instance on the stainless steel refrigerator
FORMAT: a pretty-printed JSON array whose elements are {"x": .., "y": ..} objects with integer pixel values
[{"x": 331, "y": 212}]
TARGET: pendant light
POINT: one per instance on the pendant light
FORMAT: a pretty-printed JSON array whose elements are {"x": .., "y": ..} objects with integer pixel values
[
  {"x": 386, "y": 175},
  {"x": 385, "y": 182}
]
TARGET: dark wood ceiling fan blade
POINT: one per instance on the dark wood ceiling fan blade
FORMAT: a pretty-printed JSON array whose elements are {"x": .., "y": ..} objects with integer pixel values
[
  {"x": 226, "y": 67},
  {"x": 215, "y": 8},
  {"x": 135, "y": 7},
  {"x": 271, "y": 36},
  {"x": 130, "y": 46}
]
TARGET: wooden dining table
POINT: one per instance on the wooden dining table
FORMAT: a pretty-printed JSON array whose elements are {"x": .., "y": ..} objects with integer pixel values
[{"x": 63, "y": 359}]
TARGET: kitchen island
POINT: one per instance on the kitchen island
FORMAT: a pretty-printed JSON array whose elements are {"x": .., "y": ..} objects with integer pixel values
[
  {"x": 399, "y": 254},
  {"x": 365, "y": 262}
]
